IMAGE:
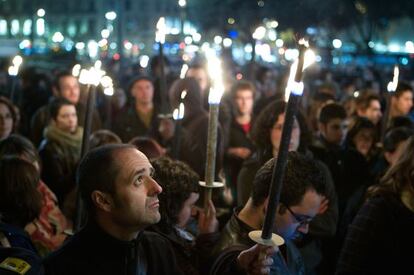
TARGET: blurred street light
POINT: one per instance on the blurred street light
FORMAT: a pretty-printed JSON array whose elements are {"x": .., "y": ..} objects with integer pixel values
[
  {"x": 337, "y": 43},
  {"x": 259, "y": 33},
  {"x": 41, "y": 12},
  {"x": 110, "y": 15}
]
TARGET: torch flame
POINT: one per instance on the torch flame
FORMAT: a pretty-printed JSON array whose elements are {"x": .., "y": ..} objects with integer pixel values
[
  {"x": 392, "y": 86},
  {"x": 17, "y": 60},
  {"x": 178, "y": 113},
  {"x": 292, "y": 85},
  {"x": 216, "y": 75},
  {"x": 76, "y": 70},
  {"x": 184, "y": 70},
  {"x": 161, "y": 30},
  {"x": 14, "y": 69}
]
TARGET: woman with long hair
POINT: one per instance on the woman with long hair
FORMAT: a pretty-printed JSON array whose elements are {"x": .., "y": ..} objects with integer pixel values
[{"x": 382, "y": 232}]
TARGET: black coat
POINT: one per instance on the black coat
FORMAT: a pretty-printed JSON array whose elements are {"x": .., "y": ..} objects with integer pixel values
[
  {"x": 233, "y": 164},
  {"x": 92, "y": 251},
  {"x": 128, "y": 125}
]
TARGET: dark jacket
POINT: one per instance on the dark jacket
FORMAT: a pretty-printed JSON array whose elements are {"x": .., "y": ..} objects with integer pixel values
[
  {"x": 60, "y": 157},
  {"x": 233, "y": 164},
  {"x": 348, "y": 168},
  {"x": 192, "y": 256},
  {"x": 128, "y": 125},
  {"x": 17, "y": 237},
  {"x": 41, "y": 119},
  {"x": 26, "y": 260},
  {"x": 379, "y": 239},
  {"x": 92, "y": 251},
  {"x": 234, "y": 239}
]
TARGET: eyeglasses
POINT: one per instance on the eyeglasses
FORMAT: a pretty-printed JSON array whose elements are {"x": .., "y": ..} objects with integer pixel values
[{"x": 301, "y": 219}]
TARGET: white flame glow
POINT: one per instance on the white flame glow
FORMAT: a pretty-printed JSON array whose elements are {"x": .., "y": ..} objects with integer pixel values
[
  {"x": 293, "y": 86},
  {"x": 109, "y": 91},
  {"x": 161, "y": 31},
  {"x": 13, "y": 71},
  {"x": 392, "y": 86},
  {"x": 184, "y": 70},
  {"x": 259, "y": 33},
  {"x": 76, "y": 70},
  {"x": 17, "y": 60},
  {"x": 92, "y": 76},
  {"x": 216, "y": 75}
]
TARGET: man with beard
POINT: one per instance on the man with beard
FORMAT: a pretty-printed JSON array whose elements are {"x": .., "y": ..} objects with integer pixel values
[{"x": 116, "y": 183}]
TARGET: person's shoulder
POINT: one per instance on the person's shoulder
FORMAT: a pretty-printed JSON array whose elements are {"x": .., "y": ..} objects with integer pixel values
[
  {"x": 43, "y": 111},
  {"x": 71, "y": 252},
  {"x": 154, "y": 239},
  {"x": 21, "y": 261}
]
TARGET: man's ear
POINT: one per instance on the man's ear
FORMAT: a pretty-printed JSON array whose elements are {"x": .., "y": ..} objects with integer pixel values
[
  {"x": 360, "y": 112},
  {"x": 388, "y": 157},
  {"x": 322, "y": 127},
  {"x": 102, "y": 200}
]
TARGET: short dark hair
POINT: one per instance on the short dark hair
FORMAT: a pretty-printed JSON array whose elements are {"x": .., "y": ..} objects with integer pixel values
[
  {"x": 361, "y": 123},
  {"x": 98, "y": 170},
  {"x": 197, "y": 66},
  {"x": 242, "y": 85},
  {"x": 103, "y": 137},
  {"x": 56, "y": 104},
  {"x": 193, "y": 100},
  {"x": 59, "y": 76},
  {"x": 20, "y": 201},
  {"x": 302, "y": 173},
  {"x": 396, "y": 136},
  {"x": 20, "y": 146},
  {"x": 149, "y": 146},
  {"x": 364, "y": 100},
  {"x": 156, "y": 60},
  {"x": 402, "y": 87},
  {"x": 331, "y": 111},
  {"x": 137, "y": 79},
  {"x": 401, "y": 121},
  {"x": 178, "y": 181}
]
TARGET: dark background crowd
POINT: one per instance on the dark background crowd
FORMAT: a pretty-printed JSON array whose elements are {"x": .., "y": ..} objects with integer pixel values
[{"x": 355, "y": 135}]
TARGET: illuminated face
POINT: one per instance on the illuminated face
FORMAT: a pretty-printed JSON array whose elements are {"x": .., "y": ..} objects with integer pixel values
[
  {"x": 363, "y": 141},
  {"x": 67, "y": 119},
  {"x": 404, "y": 102},
  {"x": 335, "y": 130},
  {"x": 69, "y": 89},
  {"x": 136, "y": 204},
  {"x": 373, "y": 112},
  {"x": 295, "y": 218},
  {"x": 143, "y": 91},
  {"x": 244, "y": 102},
  {"x": 6, "y": 121},
  {"x": 185, "y": 212},
  {"x": 276, "y": 134}
]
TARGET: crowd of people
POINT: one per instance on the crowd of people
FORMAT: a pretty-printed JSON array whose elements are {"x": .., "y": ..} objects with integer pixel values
[{"x": 346, "y": 207}]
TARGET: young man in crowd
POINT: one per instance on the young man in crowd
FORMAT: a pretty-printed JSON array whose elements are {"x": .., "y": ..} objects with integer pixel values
[
  {"x": 304, "y": 188},
  {"x": 140, "y": 116},
  {"x": 65, "y": 86}
]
